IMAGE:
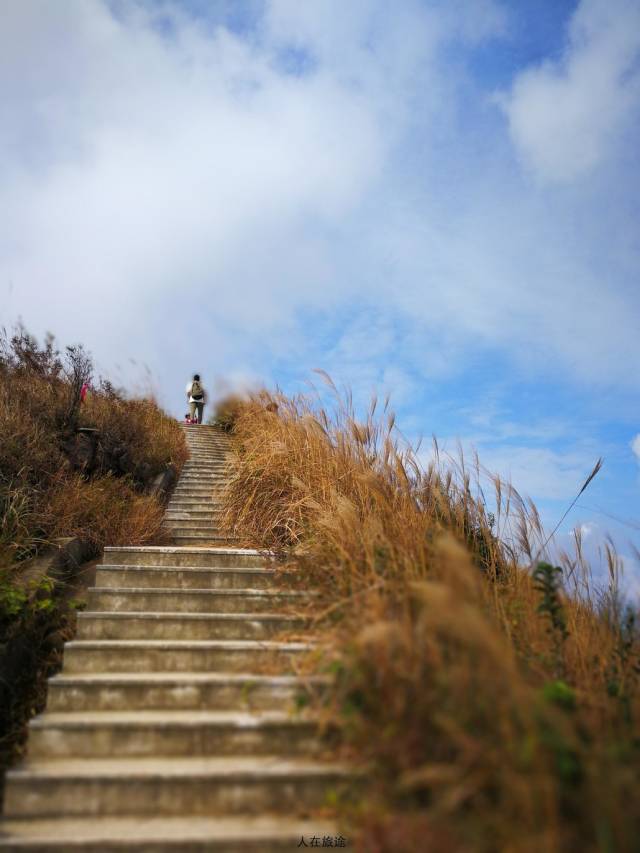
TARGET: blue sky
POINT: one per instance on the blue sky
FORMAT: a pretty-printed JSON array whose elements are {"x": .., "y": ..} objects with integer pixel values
[{"x": 437, "y": 200}]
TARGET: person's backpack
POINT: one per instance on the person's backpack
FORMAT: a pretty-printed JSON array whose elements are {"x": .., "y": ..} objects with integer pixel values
[{"x": 196, "y": 391}]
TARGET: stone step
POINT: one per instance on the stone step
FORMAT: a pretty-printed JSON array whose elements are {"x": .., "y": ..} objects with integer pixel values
[
  {"x": 166, "y": 555},
  {"x": 92, "y": 656},
  {"x": 208, "y": 443},
  {"x": 195, "y": 504},
  {"x": 207, "y": 462},
  {"x": 186, "y": 540},
  {"x": 185, "y": 577},
  {"x": 200, "y": 486},
  {"x": 123, "y": 599},
  {"x": 186, "y": 834},
  {"x": 204, "y": 476},
  {"x": 169, "y": 786},
  {"x": 207, "y": 501},
  {"x": 198, "y": 472},
  {"x": 191, "y": 525},
  {"x": 125, "y": 734},
  {"x": 197, "y": 524},
  {"x": 193, "y": 515},
  {"x": 204, "y": 491},
  {"x": 203, "y": 466},
  {"x": 181, "y": 691},
  {"x": 94, "y": 625}
]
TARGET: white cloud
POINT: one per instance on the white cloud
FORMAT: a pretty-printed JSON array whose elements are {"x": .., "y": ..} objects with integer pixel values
[
  {"x": 565, "y": 115},
  {"x": 181, "y": 197},
  {"x": 635, "y": 446}
]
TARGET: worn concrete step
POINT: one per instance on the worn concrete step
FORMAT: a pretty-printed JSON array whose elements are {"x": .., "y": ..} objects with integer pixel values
[
  {"x": 213, "y": 462},
  {"x": 124, "y": 734},
  {"x": 222, "y": 540},
  {"x": 203, "y": 480},
  {"x": 200, "y": 473},
  {"x": 124, "y": 599},
  {"x": 94, "y": 625},
  {"x": 195, "y": 503},
  {"x": 166, "y": 555},
  {"x": 196, "y": 443},
  {"x": 214, "y": 511},
  {"x": 209, "y": 512},
  {"x": 189, "y": 527},
  {"x": 201, "y": 525},
  {"x": 185, "y": 499},
  {"x": 186, "y": 834},
  {"x": 206, "y": 466},
  {"x": 106, "y": 656},
  {"x": 181, "y": 691},
  {"x": 186, "y": 502},
  {"x": 199, "y": 487},
  {"x": 193, "y": 515},
  {"x": 204, "y": 492},
  {"x": 169, "y": 786},
  {"x": 185, "y": 577},
  {"x": 185, "y": 539}
]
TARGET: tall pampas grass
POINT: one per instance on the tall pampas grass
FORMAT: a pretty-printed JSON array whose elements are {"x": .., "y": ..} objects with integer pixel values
[{"x": 491, "y": 709}]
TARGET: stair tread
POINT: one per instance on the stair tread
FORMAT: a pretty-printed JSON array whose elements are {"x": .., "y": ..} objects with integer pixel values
[
  {"x": 124, "y": 567},
  {"x": 170, "y": 767},
  {"x": 188, "y": 718},
  {"x": 276, "y": 645},
  {"x": 174, "y": 549},
  {"x": 76, "y": 832},
  {"x": 146, "y": 590},
  {"x": 185, "y": 617},
  {"x": 154, "y": 678}
]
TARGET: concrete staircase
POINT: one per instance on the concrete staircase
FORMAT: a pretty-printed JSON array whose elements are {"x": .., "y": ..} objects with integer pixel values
[{"x": 163, "y": 732}]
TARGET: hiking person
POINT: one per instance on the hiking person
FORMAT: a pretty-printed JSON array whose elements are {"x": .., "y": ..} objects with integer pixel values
[{"x": 197, "y": 398}]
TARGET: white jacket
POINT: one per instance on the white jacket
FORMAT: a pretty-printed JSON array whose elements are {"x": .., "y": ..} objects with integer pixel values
[{"x": 188, "y": 392}]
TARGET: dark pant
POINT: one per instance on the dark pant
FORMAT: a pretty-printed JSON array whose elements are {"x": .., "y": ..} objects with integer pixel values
[{"x": 199, "y": 407}]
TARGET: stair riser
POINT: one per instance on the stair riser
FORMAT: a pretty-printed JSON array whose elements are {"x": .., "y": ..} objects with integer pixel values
[
  {"x": 211, "y": 461},
  {"x": 138, "y": 602},
  {"x": 193, "y": 515},
  {"x": 176, "y": 660},
  {"x": 186, "y": 540},
  {"x": 247, "y": 696},
  {"x": 199, "y": 489},
  {"x": 204, "y": 491},
  {"x": 198, "y": 470},
  {"x": 181, "y": 505},
  {"x": 166, "y": 628},
  {"x": 128, "y": 741},
  {"x": 183, "y": 579},
  {"x": 175, "y": 559},
  {"x": 197, "y": 525},
  {"x": 202, "y": 482},
  {"x": 166, "y": 796},
  {"x": 268, "y": 844},
  {"x": 208, "y": 446}
]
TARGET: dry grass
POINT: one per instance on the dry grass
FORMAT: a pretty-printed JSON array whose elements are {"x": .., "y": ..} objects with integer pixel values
[
  {"x": 43, "y": 495},
  {"x": 47, "y": 492},
  {"x": 493, "y": 711}
]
